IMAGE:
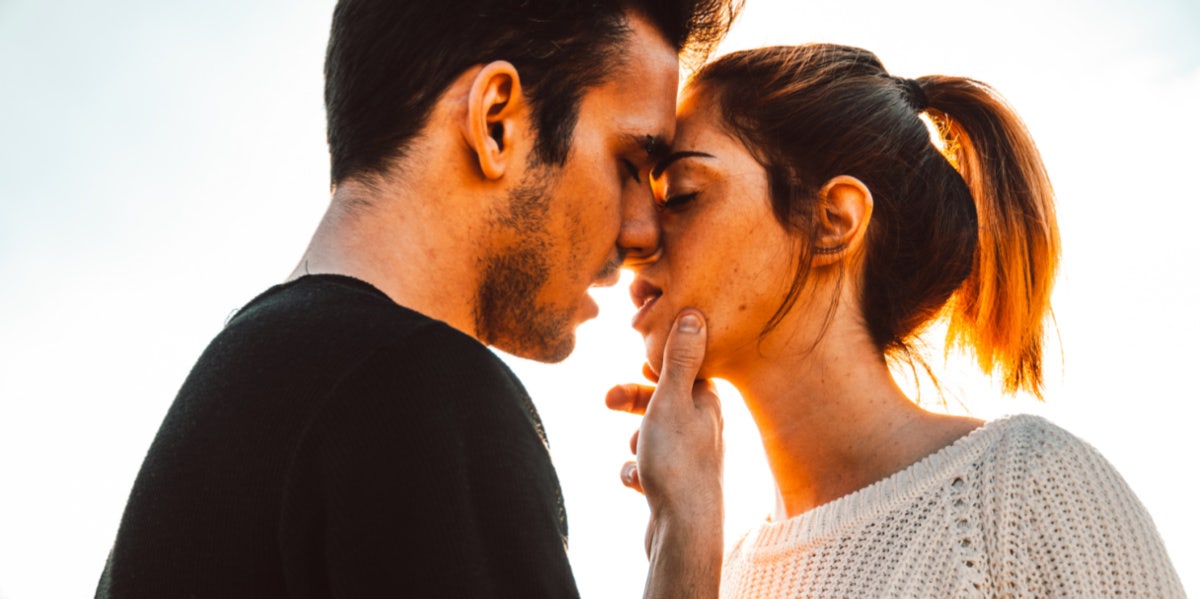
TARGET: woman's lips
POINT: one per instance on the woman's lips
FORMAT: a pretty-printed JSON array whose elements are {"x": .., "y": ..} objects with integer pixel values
[
  {"x": 642, "y": 314},
  {"x": 644, "y": 294}
]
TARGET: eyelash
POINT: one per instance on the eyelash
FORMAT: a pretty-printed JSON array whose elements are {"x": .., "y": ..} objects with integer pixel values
[
  {"x": 633, "y": 170},
  {"x": 676, "y": 202}
]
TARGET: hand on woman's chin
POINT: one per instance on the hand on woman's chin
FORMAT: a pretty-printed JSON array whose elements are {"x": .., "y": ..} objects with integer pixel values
[{"x": 654, "y": 358}]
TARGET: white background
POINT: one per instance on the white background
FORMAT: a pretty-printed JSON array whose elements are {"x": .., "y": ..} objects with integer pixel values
[{"x": 161, "y": 162}]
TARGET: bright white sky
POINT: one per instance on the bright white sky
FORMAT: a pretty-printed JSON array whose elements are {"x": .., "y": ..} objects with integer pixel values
[{"x": 163, "y": 162}]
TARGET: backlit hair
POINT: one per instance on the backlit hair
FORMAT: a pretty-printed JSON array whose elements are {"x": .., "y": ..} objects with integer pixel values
[
  {"x": 966, "y": 231},
  {"x": 388, "y": 61}
]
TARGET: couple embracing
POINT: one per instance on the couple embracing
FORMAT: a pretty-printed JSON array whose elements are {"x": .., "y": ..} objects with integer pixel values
[{"x": 793, "y": 223}]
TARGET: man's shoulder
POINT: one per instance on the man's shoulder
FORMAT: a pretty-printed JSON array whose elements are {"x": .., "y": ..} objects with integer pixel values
[
  {"x": 326, "y": 301},
  {"x": 333, "y": 315},
  {"x": 308, "y": 337},
  {"x": 339, "y": 320}
]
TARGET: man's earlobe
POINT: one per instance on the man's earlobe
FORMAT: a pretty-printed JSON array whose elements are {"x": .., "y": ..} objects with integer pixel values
[
  {"x": 494, "y": 105},
  {"x": 843, "y": 214}
]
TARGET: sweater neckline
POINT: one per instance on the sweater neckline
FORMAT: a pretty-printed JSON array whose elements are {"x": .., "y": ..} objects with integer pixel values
[
  {"x": 868, "y": 503},
  {"x": 335, "y": 279}
]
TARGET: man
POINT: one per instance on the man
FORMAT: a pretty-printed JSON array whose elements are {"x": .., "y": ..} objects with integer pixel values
[{"x": 348, "y": 433}]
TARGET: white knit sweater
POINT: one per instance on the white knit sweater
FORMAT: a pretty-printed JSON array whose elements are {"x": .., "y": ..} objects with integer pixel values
[{"x": 1017, "y": 508}]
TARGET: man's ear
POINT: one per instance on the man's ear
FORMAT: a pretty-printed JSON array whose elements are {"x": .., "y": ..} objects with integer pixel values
[
  {"x": 843, "y": 214},
  {"x": 494, "y": 105}
]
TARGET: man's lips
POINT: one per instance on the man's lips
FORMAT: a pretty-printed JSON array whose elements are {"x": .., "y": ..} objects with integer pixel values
[
  {"x": 607, "y": 279},
  {"x": 609, "y": 275}
]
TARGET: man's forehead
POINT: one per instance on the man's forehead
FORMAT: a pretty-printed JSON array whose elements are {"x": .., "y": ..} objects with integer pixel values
[{"x": 639, "y": 97}]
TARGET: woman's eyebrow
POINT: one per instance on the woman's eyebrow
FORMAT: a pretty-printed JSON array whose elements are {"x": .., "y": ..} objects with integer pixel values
[{"x": 662, "y": 165}]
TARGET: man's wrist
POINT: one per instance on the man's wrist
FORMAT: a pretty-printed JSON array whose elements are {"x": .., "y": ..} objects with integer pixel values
[{"x": 686, "y": 552}]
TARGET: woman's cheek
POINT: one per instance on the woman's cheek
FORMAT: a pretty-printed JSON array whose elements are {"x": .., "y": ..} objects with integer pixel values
[{"x": 655, "y": 344}]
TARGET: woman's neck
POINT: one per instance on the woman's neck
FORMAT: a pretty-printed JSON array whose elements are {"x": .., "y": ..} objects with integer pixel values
[{"x": 833, "y": 420}]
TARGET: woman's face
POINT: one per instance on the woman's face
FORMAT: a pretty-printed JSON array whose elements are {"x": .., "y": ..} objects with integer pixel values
[{"x": 723, "y": 252}]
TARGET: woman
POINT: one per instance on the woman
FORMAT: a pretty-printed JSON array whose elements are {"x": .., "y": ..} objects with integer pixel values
[{"x": 808, "y": 216}]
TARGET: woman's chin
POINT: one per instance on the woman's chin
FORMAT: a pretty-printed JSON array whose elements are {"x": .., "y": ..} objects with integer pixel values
[{"x": 654, "y": 350}]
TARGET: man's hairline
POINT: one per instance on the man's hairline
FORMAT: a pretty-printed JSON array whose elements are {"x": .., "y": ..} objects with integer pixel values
[
  {"x": 655, "y": 144},
  {"x": 394, "y": 167}
]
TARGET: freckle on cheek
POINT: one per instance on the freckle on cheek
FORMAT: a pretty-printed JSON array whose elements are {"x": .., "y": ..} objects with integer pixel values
[{"x": 742, "y": 308}]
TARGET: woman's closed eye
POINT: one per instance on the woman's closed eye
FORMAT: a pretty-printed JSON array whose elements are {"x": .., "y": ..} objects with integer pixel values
[{"x": 676, "y": 201}]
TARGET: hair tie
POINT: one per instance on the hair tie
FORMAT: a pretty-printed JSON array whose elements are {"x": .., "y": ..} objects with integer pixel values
[{"x": 913, "y": 93}]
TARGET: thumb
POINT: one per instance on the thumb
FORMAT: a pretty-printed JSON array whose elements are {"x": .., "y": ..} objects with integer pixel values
[{"x": 684, "y": 351}]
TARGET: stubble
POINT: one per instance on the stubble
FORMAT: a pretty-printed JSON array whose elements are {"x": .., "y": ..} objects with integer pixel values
[{"x": 508, "y": 315}]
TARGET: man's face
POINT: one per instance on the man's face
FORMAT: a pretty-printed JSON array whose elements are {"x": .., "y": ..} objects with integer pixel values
[{"x": 573, "y": 224}]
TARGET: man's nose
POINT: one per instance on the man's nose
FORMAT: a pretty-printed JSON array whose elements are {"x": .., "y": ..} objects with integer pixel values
[{"x": 640, "y": 233}]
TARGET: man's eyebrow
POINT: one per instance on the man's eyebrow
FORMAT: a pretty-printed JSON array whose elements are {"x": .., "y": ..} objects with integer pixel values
[
  {"x": 662, "y": 165},
  {"x": 655, "y": 145}
]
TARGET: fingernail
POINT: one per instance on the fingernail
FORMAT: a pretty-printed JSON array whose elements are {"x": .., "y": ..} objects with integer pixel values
[
  {"x": 616, "y": 399},
  {"x": 690, "y": 323}
]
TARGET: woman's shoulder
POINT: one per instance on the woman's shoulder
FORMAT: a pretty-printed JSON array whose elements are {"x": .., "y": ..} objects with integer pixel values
[
  {"x": 1061, "y": 518},
  {"x": 1029, "y": 461},
  {"x": 1017, "y": 426},
  {"x": 1029, "y": 440}
]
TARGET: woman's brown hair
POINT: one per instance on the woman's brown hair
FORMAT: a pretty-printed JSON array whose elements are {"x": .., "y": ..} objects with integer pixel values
[{"x": 966, "y": 231}]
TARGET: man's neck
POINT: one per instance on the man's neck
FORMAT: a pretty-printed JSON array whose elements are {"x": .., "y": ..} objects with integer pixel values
[{"x": 412, "y": 257}]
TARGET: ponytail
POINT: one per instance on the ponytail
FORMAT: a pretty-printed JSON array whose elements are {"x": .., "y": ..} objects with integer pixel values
[
  {"x": 999, "y": 310},
  {"x": 968, "y": 233}
]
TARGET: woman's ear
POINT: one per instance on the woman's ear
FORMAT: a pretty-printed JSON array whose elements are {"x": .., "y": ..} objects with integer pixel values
[
  {"x": 493, "y": 106},
  {"x": 843, "y": 214}
]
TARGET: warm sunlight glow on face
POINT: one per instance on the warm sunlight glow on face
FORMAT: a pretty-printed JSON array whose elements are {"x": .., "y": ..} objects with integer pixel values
[{"x": 157, "y": 172}]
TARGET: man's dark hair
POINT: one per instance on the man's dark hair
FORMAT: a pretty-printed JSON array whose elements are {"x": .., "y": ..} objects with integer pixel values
[{"x": 388, "y": 61}]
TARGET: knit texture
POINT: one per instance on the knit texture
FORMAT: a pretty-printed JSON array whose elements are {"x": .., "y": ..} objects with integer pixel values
[
  {"x": 1017, "y": 508},
  {"x": 330, "y": 443}
]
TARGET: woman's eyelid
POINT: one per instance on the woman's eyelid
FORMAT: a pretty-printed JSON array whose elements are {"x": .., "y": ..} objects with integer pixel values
[
  {"x": 682, "y": 183},
  {"x": 668, "y": 195}
]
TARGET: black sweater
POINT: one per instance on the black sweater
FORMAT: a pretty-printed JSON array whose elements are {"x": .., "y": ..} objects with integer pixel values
[{"x": 330, "y": 443}]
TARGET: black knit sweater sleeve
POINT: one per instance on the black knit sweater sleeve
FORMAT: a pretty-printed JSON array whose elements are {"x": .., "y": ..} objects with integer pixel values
[{"x": 424, "y": 474}]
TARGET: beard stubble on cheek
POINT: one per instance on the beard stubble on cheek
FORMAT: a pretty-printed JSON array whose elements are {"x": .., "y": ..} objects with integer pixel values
[{"x": 508, "y": 314}]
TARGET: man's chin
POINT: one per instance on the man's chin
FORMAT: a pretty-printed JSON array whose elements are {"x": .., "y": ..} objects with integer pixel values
[
  {"x": 542, "y": 349},
  {"x": 557, "y": 353}
]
